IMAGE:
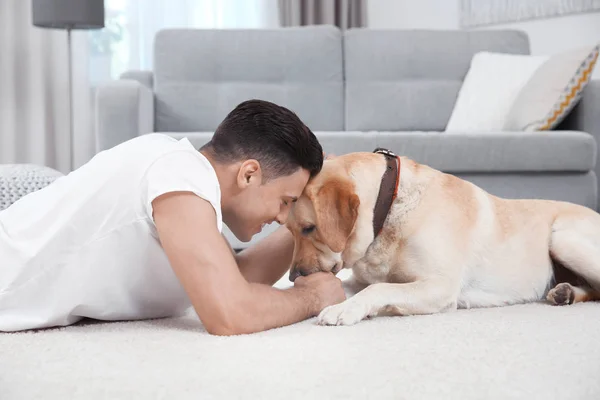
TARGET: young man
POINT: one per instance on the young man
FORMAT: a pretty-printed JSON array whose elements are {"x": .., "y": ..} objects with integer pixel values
[{"x": 136, "y": 232}]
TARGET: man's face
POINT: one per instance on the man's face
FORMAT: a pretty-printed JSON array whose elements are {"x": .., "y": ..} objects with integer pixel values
[{"x": 260, "y": 204}]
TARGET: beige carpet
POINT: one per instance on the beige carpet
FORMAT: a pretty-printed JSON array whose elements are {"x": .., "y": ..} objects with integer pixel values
[{"x": 521, "y": 352}]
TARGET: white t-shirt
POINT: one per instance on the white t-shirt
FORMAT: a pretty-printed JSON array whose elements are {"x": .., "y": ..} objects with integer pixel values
[{"x": 87, "y": 246}]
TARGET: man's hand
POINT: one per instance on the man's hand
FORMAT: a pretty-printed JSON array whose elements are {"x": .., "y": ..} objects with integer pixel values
[
  {"x": 323, "y": 287},
  {"x": 224, "y": 301}
]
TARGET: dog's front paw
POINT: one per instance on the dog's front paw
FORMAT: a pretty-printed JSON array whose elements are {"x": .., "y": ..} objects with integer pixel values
[{"x": 346, "y": 313}]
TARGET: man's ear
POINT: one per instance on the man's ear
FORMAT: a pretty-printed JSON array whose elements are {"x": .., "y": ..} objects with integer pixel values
[
  {"x": 336, "y": 210},
  {"x": 250, "y": 173}
]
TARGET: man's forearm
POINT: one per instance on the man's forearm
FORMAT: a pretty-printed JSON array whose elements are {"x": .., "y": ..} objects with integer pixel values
[
  {"x": 264, "y": 307},
  {"x": 269, "y": 259}
]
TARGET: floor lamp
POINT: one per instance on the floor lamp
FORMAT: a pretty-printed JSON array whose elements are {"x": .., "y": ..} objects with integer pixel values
[{"x": 68, "y": 15}]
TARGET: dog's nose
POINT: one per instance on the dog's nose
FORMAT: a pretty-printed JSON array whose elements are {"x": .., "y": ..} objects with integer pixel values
[
  {"x": 294, "y": 273},
  {"x": 297, "y": 271}
]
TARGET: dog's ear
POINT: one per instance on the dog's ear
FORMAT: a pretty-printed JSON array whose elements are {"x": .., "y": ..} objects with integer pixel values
[{"x": 336, "y": 210}]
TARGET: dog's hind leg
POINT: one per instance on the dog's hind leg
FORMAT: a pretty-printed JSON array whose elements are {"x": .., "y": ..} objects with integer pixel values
[
  {"x": 575, "y": 245},
  {"x": 564, "y": 293}
]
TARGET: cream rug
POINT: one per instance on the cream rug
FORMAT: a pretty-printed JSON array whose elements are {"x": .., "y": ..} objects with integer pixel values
[{"x": 521, "y": 352}]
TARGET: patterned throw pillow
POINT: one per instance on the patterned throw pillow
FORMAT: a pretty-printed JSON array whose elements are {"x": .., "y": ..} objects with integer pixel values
[
  {"x": 18, "y": 180},
  {"x": 553, "y": 90}
]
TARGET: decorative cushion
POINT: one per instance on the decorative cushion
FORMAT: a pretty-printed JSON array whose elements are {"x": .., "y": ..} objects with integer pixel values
[
  {"x": 553, "y": 90},
  {"x": 17, "y": 180},
  {"x": 489, "y": 89}
]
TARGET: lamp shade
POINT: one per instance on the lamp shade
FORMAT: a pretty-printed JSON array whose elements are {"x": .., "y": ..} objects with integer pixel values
[{"x": 68, "y": 14}]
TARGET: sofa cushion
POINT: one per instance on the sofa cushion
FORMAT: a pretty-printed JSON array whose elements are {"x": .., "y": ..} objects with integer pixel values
[
  {"x": 202, "y": 74},
  {"x": 489, "y": 90},
  {"x": 197, "y": 139},
  {"x": 472, "y": 152},
  {"x": 402, "y": 80},
  {"x": 332, "y": 142},
  {"x": 496, "y": 152},
  {"x": 549, "y": 151},
  {"x": 575, "y": 187}
]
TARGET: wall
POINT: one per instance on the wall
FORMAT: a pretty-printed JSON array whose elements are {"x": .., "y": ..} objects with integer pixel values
[
  {"x": 547, "y": 36},
  {"x": 412, "y": 14}
]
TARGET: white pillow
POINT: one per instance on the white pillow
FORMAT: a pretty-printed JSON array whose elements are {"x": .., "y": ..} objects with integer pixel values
[{"x": 489, "y": 90}]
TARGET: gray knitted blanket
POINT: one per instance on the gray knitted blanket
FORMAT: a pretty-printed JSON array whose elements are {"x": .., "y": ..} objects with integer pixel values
[{"x": 17, "y": 180}]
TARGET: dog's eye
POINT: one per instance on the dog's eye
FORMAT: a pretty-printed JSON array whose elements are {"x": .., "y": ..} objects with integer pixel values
[{"x": 308, "y": 230}]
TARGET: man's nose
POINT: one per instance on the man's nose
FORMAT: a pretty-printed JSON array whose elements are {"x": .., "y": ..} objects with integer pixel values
[{"x": 282, "y": 216}]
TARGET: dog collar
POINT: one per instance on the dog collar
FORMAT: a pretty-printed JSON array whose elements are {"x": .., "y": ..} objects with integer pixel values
[{"x": 388, "y": 190}]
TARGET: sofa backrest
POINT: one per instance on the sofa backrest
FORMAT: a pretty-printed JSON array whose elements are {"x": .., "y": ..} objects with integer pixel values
[
  {"x": 201, "y": 75},
  {"x": 403, "y": 80}
]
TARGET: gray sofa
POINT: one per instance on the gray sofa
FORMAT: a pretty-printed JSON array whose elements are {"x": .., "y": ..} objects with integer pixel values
[{"x": 357, "y": 90}]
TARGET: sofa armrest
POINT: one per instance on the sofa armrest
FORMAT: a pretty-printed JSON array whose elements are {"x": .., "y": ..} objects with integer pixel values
[
  {"x": 146, "y": 78},
  {"x": 585, "y": 117},
  {"x": 124, "y": 110}
]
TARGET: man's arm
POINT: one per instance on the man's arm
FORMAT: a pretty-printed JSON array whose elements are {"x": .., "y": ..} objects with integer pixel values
[
  {"x": 225, "y": 302},
  {"x": 269, "y": 259},
  {"x": 229, "y": 245}
]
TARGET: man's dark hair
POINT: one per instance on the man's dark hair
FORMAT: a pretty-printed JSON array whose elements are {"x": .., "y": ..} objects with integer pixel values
[{"x": 270, "y": 134}]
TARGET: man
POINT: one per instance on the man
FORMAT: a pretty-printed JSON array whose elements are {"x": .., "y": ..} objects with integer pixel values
[{"x": 136, "y": 232}]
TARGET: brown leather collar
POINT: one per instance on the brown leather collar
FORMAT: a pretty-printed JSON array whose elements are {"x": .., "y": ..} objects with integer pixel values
[{"x": 388, "y": 190}]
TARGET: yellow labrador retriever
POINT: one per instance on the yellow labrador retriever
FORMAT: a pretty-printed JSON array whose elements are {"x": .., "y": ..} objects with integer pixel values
[{"x": 422, "y": 241}]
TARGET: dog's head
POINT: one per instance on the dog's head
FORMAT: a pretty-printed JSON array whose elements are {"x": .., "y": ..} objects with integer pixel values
[{"x": 322, "y": 221}]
